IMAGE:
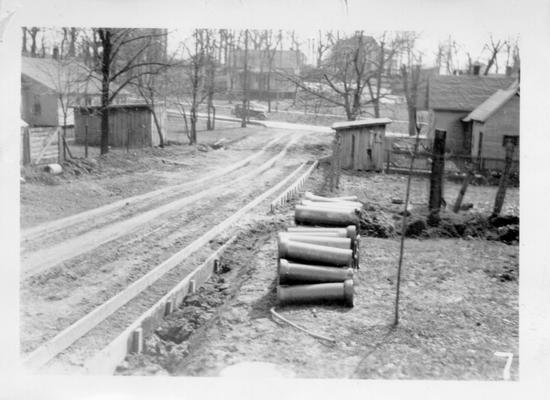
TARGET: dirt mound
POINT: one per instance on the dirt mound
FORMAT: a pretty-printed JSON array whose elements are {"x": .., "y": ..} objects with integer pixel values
[
  {"x": 386, "y": 223},
  {"x": 374, "y": 221}
]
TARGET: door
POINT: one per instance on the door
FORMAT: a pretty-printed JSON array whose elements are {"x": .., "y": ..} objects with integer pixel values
[{"x": 377, "y": 150}]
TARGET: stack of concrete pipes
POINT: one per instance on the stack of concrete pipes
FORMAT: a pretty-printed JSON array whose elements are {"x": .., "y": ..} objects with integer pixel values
[{"x": 317, "y": 257}]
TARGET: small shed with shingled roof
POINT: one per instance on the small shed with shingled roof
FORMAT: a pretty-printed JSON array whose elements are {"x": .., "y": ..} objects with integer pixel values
[{"x": 360, "y": 144}]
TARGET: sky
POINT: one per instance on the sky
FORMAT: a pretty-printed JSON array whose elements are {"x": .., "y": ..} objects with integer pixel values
[{"x": 472, "y": 42}]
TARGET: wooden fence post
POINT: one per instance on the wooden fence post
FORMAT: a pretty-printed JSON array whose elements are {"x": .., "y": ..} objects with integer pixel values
[
  {"x": 465, "y": 183},
  {"x": 501, "y": 192},
  {"x": 436, "y": 177},
  {"x": 86, "y": 140},
  {"x": 60, "y": 147},
  {"x": 26, "y": 146}
]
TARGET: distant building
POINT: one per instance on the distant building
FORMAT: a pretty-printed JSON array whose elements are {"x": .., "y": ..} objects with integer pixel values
[
  {"x": 493, "y": 122},
  {"x": 262, "y": 82},
  {"x": 47, "y": 84},
  {"x": 450, "y": 98}
]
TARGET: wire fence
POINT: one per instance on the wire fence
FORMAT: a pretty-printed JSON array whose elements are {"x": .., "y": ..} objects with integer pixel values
[{"x": 487, "y": 169}]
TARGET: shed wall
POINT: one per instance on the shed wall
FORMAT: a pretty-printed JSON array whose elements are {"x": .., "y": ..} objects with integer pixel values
[
  {"x": 132, "y": 128},
  {"x": 362, "y": 148}
]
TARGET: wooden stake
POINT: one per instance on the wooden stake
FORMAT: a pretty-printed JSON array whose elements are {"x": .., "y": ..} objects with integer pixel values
[
  {"x": 137, "y": 341},
  {"x": 404, "y": 227},
  {"x": 501, "y": 192},
  {"x": 168, "y": 308},
  {"x": 465, "y": 183}
]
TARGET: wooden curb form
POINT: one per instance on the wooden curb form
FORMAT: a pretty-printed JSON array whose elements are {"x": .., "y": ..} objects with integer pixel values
[
  {"x": 293, "y": 189},
  {"x": 106, "y": 361},
  {"x": 68, "y": 336}
]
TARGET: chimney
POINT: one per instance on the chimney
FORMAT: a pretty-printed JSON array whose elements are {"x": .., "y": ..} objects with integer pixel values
[
  {"x": 476, "y": 69},
  {"x": 55, "y": 53}
]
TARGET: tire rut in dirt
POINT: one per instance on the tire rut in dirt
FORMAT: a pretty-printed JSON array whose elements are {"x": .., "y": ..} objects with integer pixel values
[
  {"x": 95, "y": 277},
  {"x": 143, "y": 206}
]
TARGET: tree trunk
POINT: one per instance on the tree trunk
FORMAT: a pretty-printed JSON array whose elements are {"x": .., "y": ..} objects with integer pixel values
[
  {"x": 33, "y": 33},
  {"x": 24, "y": 44},
  {"x": 245, "y": 82},
  {"x": 193, "y": 137},
  {"x": 72, "y": 43},
  {"x": 411, "y": 108},
  {"x": 157, "y": 125},
  {"x": 436, "y": 177},
  {"x": 105, "y": 81},
  {"x": 269, "y": 90}
]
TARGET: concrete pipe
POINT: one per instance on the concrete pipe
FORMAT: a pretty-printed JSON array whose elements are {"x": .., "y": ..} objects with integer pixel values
[
  {"x": 319, "y": 216},
  {"x": 352, "y": 204},
  {"x": 330, "y": 241},
  {"x": 314, "y": 197},
  {"x": 313, "y": 253},
  {"x": 340, "y": 292},
  {"x": 330, "y": 206},
  {"x": 294, "y": 272},
  {"x": 349, "y": 231}
]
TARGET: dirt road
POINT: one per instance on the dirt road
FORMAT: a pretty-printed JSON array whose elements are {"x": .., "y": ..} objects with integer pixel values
[{"x": 88, "y": 262}]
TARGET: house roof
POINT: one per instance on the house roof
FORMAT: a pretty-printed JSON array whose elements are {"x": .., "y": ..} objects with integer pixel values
[
  {"x": 68, "y": 76},
  {"x": 360, "y": 123},
  {"x": 463, "y": 92},
  {"x": 482, "y": 112}
]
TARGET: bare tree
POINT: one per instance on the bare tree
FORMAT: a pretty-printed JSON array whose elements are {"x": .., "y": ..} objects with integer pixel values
[
  {"x": 24, "y": 40},
  {"x": 353, "y": 64},
  {"x": 410, "y": 75},
  {"x": 189, "y": 83},
  {"x": 494, "y": 49},
  {"x": 121, "y": 60},
  {"x": 70, "y": 82},
  {"x": 323, "y": 45},
  {"x": 33, "y": 32}
]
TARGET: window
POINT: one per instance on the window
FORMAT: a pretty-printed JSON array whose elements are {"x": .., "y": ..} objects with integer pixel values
[
  {"x": 36, "y": 106},
  {"x": 513, "y": 138}
]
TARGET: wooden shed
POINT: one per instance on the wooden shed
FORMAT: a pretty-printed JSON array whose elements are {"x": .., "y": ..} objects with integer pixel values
[
  {"x": 360, "y": 144},
  {"x": 130, "y": 125}
]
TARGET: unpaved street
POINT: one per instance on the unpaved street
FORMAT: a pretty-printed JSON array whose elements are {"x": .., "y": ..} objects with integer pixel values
[{"x": 101, "y": 256}]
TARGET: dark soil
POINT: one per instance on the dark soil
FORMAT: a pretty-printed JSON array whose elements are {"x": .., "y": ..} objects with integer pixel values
[
  {"x": 169, "y": 346},
  {"x": 386, "y": 222}
]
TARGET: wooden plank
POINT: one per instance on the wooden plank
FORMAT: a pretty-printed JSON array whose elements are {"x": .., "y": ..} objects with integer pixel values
[
  {"x": 106, "y": 361},
  {"x": 68, "y": 336},
  {"x": 281, "y": 199},
  {"x": 52, "y": 136}
]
